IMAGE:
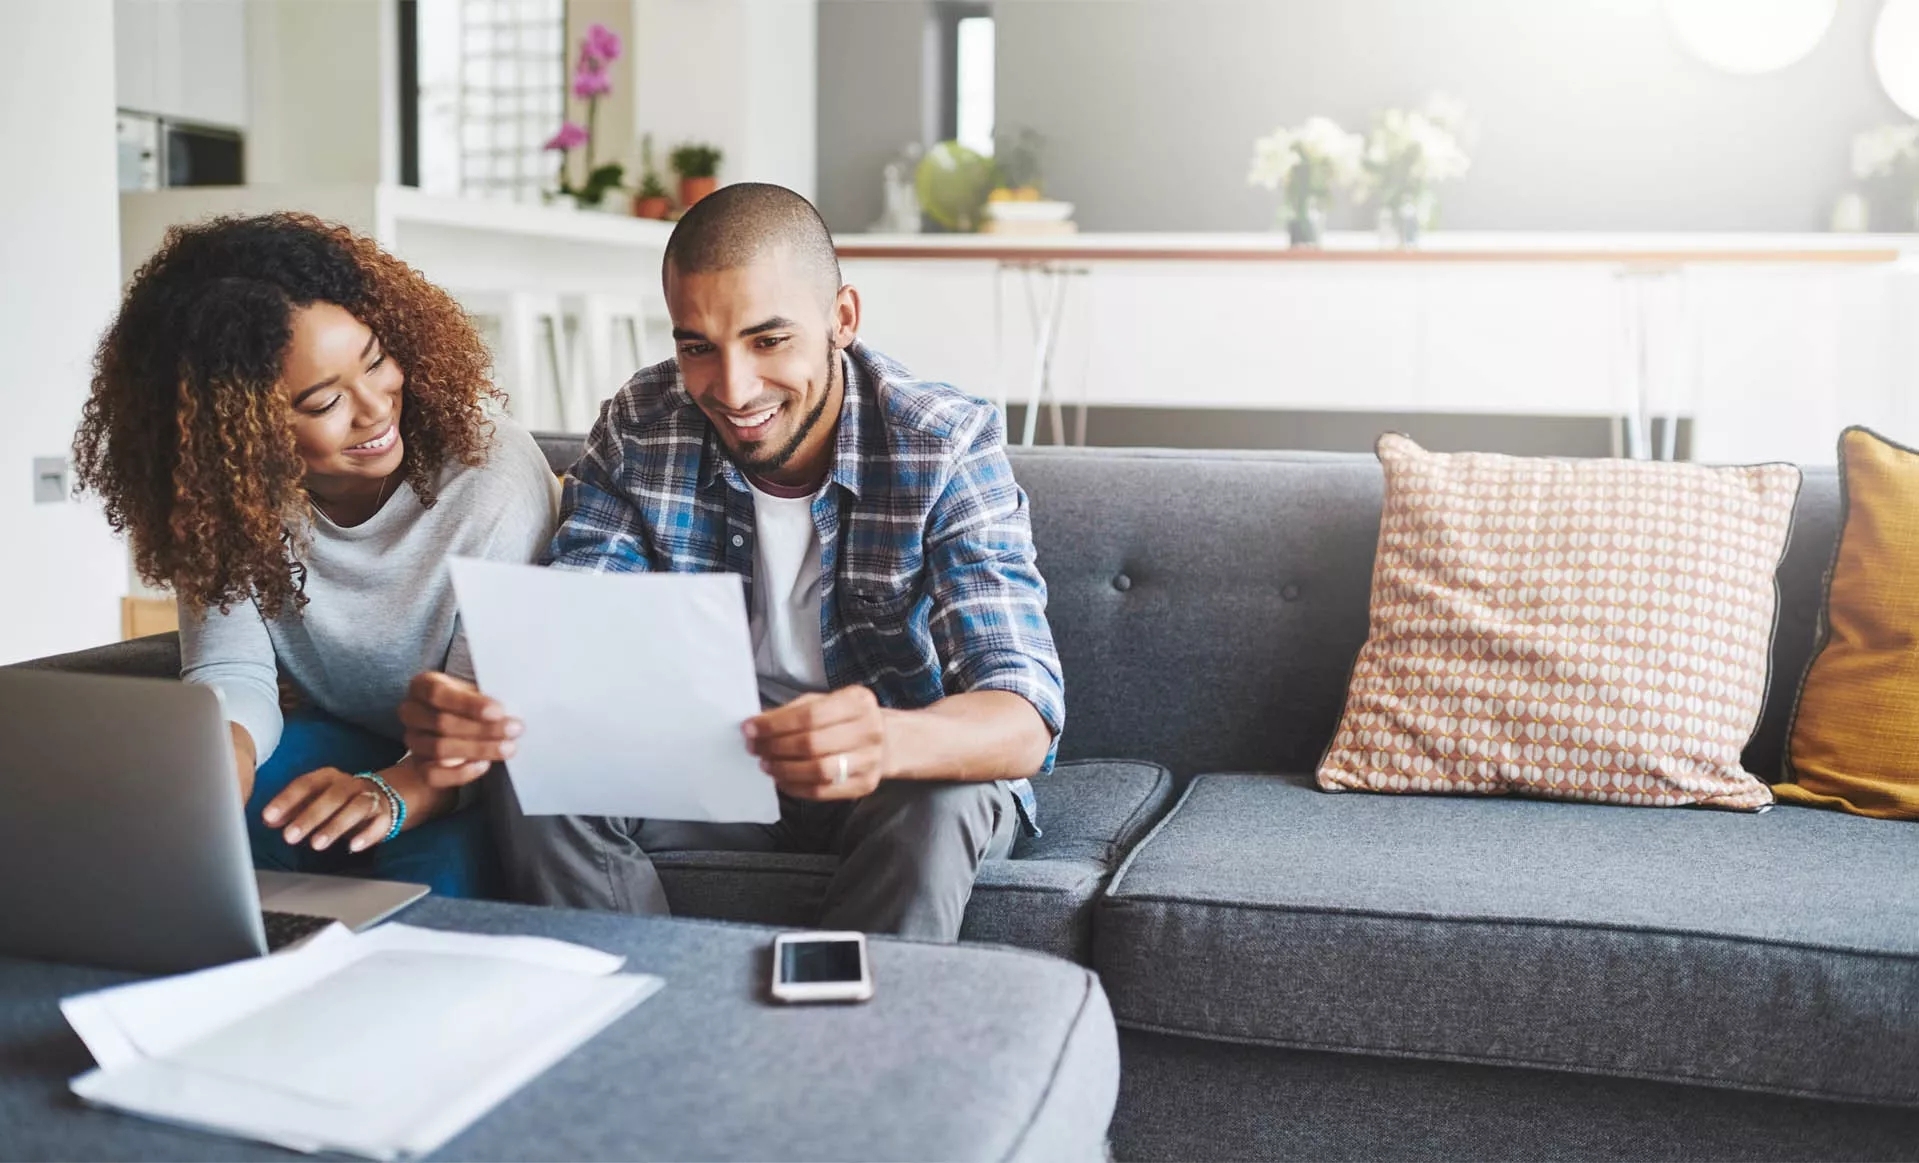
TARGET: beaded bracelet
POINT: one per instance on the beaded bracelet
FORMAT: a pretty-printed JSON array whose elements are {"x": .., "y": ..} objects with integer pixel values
[{"x": 395, "y": 805}]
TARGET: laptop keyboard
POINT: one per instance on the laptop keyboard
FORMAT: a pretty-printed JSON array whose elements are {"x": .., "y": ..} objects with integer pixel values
[{"x": 284, "y": 929}]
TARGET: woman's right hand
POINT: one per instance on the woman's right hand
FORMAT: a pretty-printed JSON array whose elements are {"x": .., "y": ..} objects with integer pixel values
[
  {"x": 327, "y": 805},
  {"x": 455, "y": 732}
]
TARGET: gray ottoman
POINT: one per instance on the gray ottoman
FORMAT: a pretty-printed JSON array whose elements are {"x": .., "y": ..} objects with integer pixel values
[{"x": 965, "y": 1052}]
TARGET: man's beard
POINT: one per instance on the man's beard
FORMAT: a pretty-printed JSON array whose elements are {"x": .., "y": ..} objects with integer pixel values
[{"x": 777, "y": 460}]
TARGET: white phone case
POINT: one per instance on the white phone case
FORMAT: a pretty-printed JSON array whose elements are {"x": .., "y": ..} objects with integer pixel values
[{"x": 821, "y": 991}]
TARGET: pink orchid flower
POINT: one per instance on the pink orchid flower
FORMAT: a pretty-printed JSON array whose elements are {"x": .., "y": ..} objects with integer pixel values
[
  {"x": 602, "y": 44},
  {"x": 570, "y": 136},
  {"x": 590, "y": 83}
]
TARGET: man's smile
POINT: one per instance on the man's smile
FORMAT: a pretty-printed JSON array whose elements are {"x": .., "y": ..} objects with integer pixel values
[{"x": 754, "y": 425}]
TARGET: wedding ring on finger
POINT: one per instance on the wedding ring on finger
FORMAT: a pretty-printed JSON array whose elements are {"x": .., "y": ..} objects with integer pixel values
[{"x": 839, "y": 775}]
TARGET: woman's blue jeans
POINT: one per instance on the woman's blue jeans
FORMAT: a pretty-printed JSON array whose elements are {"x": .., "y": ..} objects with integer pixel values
[{"x": 453, "y": 855}]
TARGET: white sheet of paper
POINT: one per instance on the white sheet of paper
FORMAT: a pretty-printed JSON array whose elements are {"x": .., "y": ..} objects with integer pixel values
[
  {"x": 299, "y": 1049},
  {"x": 632, "y": 689}
]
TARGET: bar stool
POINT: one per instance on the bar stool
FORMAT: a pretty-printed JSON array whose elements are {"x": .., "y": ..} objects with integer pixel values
[
  {"x": 1660, "y": 380},
  {"x": 1046, "y": 285},
  {"x": 532, "y": 355},
  {"x": 610, "y": 347}
]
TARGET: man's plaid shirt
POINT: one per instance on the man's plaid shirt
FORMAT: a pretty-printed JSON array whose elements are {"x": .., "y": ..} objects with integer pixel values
[{"x": 927, "y": 580}]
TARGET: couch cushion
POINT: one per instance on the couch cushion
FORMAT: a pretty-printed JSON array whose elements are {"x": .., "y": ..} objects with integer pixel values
[
  {"x": 1206, "y": 606},
  {"x": 1181, "y": 1098},
  {"x": 1092, "y": 811},
  {"x": 561, "y": 449},
  {"x": 1528, "y": 933},
  {"x": 1575, "y": 629},
  {"x": 1856, "y": 729}
]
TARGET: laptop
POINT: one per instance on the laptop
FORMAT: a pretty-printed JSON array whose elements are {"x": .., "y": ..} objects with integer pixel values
[{"x": 122, "y": 841}]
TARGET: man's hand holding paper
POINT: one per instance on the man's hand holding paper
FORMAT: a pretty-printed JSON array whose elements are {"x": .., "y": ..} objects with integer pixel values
[{"x": 627, "y": 694}]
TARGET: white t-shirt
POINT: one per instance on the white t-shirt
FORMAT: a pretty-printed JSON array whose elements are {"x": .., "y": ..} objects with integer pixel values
[{"x": 785, "y": 614}]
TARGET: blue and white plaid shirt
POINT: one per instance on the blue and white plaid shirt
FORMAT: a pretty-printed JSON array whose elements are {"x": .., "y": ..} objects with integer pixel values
[{"x": 928, "y": 586}]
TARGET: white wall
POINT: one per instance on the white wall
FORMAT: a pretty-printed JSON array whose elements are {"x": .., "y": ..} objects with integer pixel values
[
  {"x": 61, "y": 572},
  {"x": 874, "y": 82},
  {"x": 782, "y": 94},
  {"x": 1592, "y": 115},
  {"x": 325, "y": 81},
  {"x": 740, "y": 74}
]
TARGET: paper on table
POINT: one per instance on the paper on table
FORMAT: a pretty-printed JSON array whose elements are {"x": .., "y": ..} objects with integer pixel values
[
  {"x": 632, "y": 688},
  {"x": 149, "y": 1018},
  {"x": 384, "y": 1044}
]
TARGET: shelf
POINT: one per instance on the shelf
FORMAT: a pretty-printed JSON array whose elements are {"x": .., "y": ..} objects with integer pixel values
[
  {"x": 407, "y": 207},
  {"x": 385, "y": 210}
]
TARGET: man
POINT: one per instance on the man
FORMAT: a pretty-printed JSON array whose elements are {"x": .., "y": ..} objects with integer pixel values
[{"x": 898, "y": 620}]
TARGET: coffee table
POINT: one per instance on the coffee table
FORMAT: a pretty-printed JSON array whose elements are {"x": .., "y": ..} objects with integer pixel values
[{"x": 966, "y": 1052}]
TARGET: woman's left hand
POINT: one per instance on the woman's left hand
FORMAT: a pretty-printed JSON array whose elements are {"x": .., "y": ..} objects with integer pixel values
[{"x": 323, "y": 806}]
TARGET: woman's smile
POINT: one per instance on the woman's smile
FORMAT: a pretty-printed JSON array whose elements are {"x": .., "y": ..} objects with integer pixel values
[{"x": 378, "y": 445}]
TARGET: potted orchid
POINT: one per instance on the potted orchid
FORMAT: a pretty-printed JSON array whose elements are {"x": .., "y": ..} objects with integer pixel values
[
  {"x": 1408, "y": 153},
  {"x": 599, "y": 48},
  {"x": 1890, "y": 155},
  {"x": 1310, "y": 162}
]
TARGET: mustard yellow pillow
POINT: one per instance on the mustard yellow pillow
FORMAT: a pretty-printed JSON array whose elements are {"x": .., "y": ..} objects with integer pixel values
[{"x": 1855, "y": 733}]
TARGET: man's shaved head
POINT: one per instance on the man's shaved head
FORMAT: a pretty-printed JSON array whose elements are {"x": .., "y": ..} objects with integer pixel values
[
  {"x": 737, "y": 225},
  {"x": 760, "y": 322}
]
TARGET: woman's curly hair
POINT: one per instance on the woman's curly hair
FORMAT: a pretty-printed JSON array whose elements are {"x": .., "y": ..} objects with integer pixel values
[{"x": 186, "y": 436}]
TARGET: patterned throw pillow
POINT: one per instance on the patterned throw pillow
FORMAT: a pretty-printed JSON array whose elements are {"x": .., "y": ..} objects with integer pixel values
[
  {"x": 1576, "y": 629},
  {"x": 1855, "y": 732}
]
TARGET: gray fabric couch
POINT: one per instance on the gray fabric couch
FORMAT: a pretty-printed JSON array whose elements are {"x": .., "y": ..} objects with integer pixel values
[{"x": 1298, "y": 974}]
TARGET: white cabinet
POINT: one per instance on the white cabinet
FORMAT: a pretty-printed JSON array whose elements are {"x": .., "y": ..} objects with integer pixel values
[{"x": 184, "y": 59}]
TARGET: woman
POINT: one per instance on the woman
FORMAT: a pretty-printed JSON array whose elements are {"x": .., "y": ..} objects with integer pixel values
[{"x": 289, "y": 423}]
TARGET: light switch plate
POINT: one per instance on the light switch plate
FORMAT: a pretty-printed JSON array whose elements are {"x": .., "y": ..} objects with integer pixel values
[{"x": 49, "y": 480}]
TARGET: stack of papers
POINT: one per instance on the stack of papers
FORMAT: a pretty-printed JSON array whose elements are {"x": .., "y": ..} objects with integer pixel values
[{"x": 383, "y": 1044}]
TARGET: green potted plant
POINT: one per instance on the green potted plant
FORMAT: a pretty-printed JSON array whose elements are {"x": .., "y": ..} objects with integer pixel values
[
  {"x": 698, "y": 165},
  {"x": 651, "y": 200}
]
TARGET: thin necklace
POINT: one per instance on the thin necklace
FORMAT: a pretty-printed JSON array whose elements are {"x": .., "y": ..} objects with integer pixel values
[{"x": 378, "y": 501}]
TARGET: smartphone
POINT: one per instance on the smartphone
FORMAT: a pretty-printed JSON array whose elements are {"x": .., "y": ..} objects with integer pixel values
[{"x": 821, "y": 967}]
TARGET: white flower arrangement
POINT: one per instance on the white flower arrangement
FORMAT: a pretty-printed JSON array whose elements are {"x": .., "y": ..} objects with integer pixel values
[
  {"x": 1309, "y": 162},
  {"x": 1412, "y": 150},
  {"x": 1886, "y": 152}
]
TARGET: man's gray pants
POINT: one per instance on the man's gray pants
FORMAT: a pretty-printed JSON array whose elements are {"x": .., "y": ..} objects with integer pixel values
[{"x": 908, "y": 853}]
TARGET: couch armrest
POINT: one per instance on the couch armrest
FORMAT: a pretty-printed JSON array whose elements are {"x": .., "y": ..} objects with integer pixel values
[{"x": 155, "y": 656}]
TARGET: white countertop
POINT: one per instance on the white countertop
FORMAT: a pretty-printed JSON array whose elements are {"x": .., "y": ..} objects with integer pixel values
[{"x": 1439, "y": 246}]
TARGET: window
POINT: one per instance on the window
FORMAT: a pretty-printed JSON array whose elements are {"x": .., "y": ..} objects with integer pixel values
[
  {"x": 973, "y": 83},
  {"x": 491, "y": 90},
  {"x": 963, "y": 37}
]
